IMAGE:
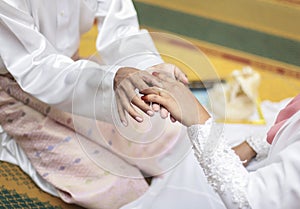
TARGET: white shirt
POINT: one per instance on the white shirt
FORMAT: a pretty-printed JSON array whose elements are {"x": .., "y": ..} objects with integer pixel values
[{"x": 38, "y": 37}]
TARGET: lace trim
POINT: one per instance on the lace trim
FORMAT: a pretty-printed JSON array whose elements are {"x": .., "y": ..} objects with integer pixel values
[
  {"x": 260, "y": 146},
  {"x": 222, "y": 167}
]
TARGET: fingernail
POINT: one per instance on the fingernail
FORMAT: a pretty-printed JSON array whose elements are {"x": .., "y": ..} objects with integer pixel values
[
  {"x": 156, "y": 108},
  {"x": 172, "y": 119},
  {"x": 163, "y": 115},
  {"x": 139, "y": 119},
  {"x": 155, "y": 73},
  {"x": 124, "y": 123},
  {"x": 186, "y": 80},
  {"x": 150, "y": 113}
]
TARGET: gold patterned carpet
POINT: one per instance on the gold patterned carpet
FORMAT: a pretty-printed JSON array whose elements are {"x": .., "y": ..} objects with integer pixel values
[{"x": 17, "y": 191}]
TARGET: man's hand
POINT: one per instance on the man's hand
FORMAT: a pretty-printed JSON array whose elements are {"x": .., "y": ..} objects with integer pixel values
[
  {"x": 171, "y": 70},
  {"x": 127, "y": 80}
]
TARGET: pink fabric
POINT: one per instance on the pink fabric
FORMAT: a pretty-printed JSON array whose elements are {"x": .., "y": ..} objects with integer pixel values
[
  {"x": 145, "y": 156},
  {"x": 66, "y": 151},
  {"x": 283, "y": 116},
  {"x": 56, "y": 153}
]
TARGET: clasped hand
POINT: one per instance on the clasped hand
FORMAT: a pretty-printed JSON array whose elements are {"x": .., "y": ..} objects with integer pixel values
[
  {"x": 129, "y": 82},
  {"x": 177, "y": 99}
]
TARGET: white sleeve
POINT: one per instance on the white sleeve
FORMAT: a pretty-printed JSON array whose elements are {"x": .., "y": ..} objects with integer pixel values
[
  {"x": 275, "y": 185},
  {"x": 51, "y": 77},
  {"x": 222, "y": 167},
  {"x": 259, "y": 145},
  {"x": 120, "y": 40}
]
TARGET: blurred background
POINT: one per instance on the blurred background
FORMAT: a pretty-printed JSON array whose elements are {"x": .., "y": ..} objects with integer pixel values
[{"x": 262, "y": 34}]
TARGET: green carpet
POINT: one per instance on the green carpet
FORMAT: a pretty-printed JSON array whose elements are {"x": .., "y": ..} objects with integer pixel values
[{"x": 220, "y": 33}]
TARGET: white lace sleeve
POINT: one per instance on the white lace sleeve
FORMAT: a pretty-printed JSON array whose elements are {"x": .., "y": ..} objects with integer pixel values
[
  {"x": 222, "y": 167},
  {"x": 260, "y": 146}
]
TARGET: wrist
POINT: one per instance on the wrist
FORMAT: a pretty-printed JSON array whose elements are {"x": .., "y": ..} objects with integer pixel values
[
  {"x": 250, "y": 151},
  {"x": 203, "y": 115},
  {"x": 200, "y": 116},
  {"x": 245, "y": 152}
]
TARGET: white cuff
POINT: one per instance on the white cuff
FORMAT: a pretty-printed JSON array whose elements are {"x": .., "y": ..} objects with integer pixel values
[{"x": 260, "y": 146}]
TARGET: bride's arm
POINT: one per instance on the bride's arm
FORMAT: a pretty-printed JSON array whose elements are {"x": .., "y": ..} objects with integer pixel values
[
  {"x": 252, "y": 147},
  {"x": 224, "y": 170},
  {"x": 276, "y": 185}
]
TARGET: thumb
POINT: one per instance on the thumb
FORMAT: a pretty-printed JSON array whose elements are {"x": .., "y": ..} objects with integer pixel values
[{"x": 179, "y": 75}]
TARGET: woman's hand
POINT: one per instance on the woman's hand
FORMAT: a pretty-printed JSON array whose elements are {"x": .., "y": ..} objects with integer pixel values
[
  {"x": 177, "y": 99},
  {"x": 173, "y": 72},
  {"x": 245, "y": 152}
]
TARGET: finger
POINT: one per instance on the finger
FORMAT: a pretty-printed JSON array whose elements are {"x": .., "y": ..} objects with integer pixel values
[
  {"x": 121, "y": 113},
  {"x": 173, "y": 120},
  {"x": 179, "y": 75},
  {"x": 133, "y": 98},
  {"x": 143, "y": 80},
  {"x": 151, "y": 80},
  {"x": 154, "y": 91},
  {"x": 135, "y": 83},
  {"x": 134, "y": 114},
  {"x": 151, "y": 90},
  {"x": 155, "y": 107},
  {"x": 154, "y": 99},
  {"x": 128, "y": 91},
  {"x": 129, "y": 84},
  {"x": 164, "y": 113},
  {"x": 126, "y": 104},
  {"x": 138, "y": 102},
  {"x": 163, "y": 76}
]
